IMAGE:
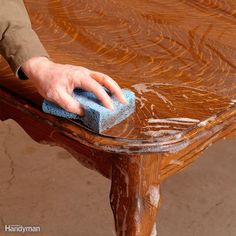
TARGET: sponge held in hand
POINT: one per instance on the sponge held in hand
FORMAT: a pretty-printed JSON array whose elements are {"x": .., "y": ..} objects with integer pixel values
[{"x": 96, "y": 116}]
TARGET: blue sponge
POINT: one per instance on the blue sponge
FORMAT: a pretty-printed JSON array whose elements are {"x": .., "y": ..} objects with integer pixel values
[{"x": 96, "y": 117}]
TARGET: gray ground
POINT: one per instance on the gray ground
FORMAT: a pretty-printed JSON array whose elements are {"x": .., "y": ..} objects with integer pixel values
[{"x": 45, "y": 186}]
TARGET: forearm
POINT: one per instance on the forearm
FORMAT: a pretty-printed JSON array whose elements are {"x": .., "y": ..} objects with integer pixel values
[{"x": 18, "y": 41}]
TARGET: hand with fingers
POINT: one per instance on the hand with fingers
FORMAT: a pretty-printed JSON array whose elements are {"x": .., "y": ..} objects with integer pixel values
[{"x": 56, "y": 83}]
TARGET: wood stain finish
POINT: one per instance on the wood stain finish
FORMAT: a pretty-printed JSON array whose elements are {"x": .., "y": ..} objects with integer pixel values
[{"x": 179, "y": 57}]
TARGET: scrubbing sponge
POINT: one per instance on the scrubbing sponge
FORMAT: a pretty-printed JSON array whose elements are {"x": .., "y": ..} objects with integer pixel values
[{"x": 96, "y": 117}]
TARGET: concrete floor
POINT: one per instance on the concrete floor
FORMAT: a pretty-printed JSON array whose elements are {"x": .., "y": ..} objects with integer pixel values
[{"x": 45, "y": 186}]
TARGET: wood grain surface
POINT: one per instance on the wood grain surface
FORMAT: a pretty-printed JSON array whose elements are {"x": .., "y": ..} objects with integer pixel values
[{"x": 179, "y": 57}]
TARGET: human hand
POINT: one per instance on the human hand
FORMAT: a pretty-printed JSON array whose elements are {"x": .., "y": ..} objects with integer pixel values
[{"x": 56, "y": 82}]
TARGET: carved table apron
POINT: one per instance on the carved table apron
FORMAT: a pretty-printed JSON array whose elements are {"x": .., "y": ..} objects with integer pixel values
[{"x": 179, "y": 57}]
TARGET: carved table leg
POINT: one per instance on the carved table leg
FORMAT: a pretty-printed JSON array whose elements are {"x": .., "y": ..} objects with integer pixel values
[{"x": 135, "y": 194}]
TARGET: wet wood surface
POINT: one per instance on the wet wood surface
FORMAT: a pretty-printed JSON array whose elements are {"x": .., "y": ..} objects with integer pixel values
[{"x": 179, "y": 57}]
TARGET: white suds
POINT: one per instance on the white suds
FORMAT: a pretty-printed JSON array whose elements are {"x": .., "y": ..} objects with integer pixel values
[
  {"x": 185, "y": 119},
  {"x": 176, "y": 162},
  {"x": 178, "y": 135},
  {"x": 142, "y": 101},
  {"x": 178, "y": 120},
  {"x": 156, "y": 126},
  {"x": 205, "y": 122},
  {"x": 154, "y": 230},
  {"x": 145, "y": 88},
  {"x": 155, "y": 133},
  {"x": 154, "y": 195}
]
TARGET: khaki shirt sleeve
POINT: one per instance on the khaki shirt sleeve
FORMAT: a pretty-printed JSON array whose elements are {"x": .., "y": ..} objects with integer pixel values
[{"x": 18, "y": 41}]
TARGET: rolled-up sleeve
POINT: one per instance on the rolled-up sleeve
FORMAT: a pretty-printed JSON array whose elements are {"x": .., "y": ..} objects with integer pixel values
[{"x": 18, "y": 41}]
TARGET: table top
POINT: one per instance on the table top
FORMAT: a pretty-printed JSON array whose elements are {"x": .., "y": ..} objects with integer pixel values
[{"x": 179, "y": 57}]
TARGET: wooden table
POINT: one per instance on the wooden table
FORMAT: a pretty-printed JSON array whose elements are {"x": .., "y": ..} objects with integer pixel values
[{"x": 179, "y": 57}]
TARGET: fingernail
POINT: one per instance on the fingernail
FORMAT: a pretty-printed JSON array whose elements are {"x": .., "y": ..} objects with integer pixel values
[
  {"x": 123, "y": 100},
  {"x": 112, "y": 107},
  {"x": 81, "y": 112}
]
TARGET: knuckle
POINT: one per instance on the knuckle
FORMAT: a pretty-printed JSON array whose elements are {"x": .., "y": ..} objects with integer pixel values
[
  {"x": 105, "y": 79},
  {"x": 108, "y": 79}
]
